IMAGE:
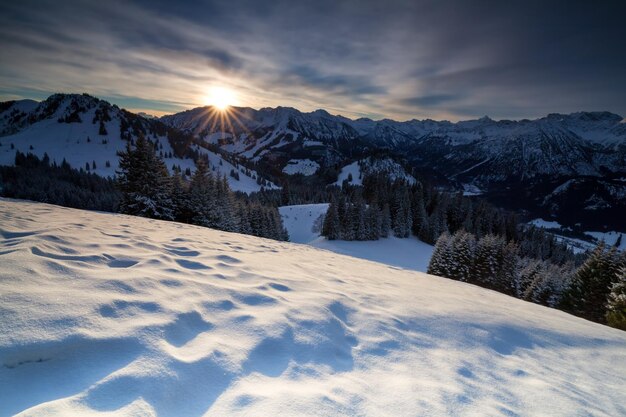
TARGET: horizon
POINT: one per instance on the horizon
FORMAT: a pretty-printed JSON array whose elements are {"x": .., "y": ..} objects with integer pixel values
[
  {"x": 401, "y": 60},
  {"x": 145, "y": 113}
]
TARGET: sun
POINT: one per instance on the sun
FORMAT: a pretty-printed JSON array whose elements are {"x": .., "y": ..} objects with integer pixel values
[{"x": 221, "y": 98}]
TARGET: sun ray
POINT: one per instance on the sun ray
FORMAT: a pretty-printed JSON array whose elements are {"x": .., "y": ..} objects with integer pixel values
[{"x": 220, "y": 116}]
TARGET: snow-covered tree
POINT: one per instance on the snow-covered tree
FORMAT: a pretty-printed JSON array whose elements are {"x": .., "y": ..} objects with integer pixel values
[
  {"x": 616, "y": 305},
  {"x": 332, "y": 228},
  {"x": 461, "y": 255},
  {"x": 592, "y": 284},
  {"x": 440, "y": 260},
  {"x": 202, "y": 197},
  {"x": 144, "y": 182}
]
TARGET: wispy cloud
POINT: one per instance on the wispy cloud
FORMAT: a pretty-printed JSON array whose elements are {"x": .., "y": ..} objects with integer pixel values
[{"x": 400, "y": 59}]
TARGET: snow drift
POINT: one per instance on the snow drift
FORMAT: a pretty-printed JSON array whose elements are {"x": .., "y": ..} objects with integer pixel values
[{"x": 111, "y": 315}]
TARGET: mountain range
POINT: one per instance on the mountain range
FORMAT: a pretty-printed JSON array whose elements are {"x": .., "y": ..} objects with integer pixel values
[{"x": 568, "y": 167}]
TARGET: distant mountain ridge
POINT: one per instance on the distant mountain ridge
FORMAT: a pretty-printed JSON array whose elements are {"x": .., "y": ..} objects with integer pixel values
[{"x": 583, "y": 143}]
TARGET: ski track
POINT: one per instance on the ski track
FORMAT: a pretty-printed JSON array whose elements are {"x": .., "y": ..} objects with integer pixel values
[{"x": 111, "y": 315}]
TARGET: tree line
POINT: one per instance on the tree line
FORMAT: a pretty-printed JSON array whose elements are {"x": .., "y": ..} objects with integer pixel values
[
  {"x": 37, "y": 179},
  {"x": 596, "y": 290},
  {"x": 383, "y": 207}
]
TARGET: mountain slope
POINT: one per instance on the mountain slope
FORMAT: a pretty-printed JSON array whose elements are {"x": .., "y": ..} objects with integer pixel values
[
  {"x": 113, "y": 315},
  {"x": 84, "y": 130}
]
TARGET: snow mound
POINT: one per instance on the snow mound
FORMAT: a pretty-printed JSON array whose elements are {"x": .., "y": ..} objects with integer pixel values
[{"x": 111, "y": 315}]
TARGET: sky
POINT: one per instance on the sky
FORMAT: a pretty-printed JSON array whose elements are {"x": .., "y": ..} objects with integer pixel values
[{"x": 397, "y": 59}]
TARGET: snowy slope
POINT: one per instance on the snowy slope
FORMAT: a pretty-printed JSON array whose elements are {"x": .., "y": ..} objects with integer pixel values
[
  {"x": 301, "y": 166},
  {"x": 611, "y": 238},
  {"x": 247, "y": 181},
  {"x": 360, "y": 169},
  {"x": 304, "y": 222},
  {"x": 110, "y": 315},
  {"x": 351, "y": 170}
]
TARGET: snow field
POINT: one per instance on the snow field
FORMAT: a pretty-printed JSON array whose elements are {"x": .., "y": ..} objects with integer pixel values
[
  {"x": 578, "y": 245},
  {"x": 303, "y": 222},
  {"x": 301, "y": 166},
  {"x": 112, "y": 315},
  {"x": 351, "y": 169}
]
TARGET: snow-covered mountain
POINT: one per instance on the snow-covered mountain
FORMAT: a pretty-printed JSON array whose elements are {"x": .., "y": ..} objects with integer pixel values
[
  {"x": 105, "y": 314},
  {"x": 482, "y": 151},
  {"x": 88, "y": 132},
  {"x": 517, "y": 164},
  {"x": 268, "y": 132}
]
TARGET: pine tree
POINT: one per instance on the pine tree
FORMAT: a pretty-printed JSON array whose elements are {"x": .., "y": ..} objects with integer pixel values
[
  {"x": 385, "y": 221},
  {"x": 616, "y": 305},
  {"x": 461, "y": 256},
  {"x": 508, "y": 275},
  {"x": 484, "y": 268},
  {"x": 331, "y": 228},
  {"x": 529, "y": 273},
  {"x": 179, "y": 199},
  {"x": 226, "y": 207},
  {"x": 360, "y": 230},
  {"x": 440, "y": 259},
  {"x": 244, "y": 219},
  {"x": 144, "y": 182},
  {"x": 419, "y": 215},
  {"x": 549, "y": 284},
  {"x": 592, "y": 283},
  {"x": 202, "y": 196}
]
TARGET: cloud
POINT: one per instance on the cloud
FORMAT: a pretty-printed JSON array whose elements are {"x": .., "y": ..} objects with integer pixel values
[
  {"x": 400, "y": 59},
  {"x": 433, "y": 100}
]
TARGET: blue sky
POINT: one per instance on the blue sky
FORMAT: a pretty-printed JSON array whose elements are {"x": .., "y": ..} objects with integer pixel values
[{"x": 398, "y": 59}]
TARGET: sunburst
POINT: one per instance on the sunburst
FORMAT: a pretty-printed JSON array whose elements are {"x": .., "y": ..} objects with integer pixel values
[{"x": 221, "y": 98}]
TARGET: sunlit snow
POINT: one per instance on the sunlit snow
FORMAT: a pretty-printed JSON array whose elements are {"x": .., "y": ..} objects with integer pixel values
[{"x": 111, "y": 315}]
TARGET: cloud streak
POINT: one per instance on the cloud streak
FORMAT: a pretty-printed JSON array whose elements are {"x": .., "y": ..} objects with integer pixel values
[{"x": 400, "y": 59}]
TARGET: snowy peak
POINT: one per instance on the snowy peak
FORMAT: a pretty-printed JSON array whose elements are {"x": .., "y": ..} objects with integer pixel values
[
  {"x": 592, "y": 128},
  {"x": 593, "y": 116}
]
